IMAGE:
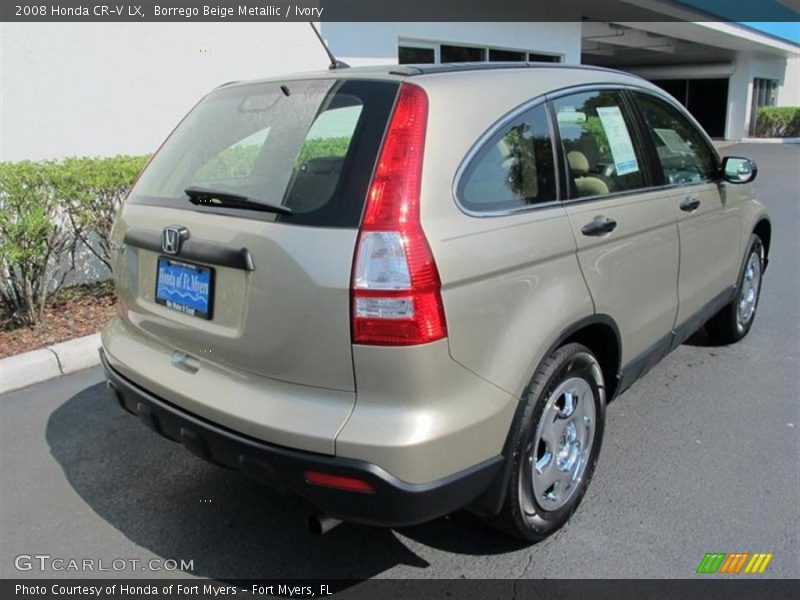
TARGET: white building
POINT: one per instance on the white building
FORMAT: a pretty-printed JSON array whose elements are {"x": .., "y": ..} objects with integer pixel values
[{"x": 102, "y": 89}]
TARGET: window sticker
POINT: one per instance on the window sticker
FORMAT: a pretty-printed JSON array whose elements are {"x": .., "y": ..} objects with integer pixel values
[
  {"x": 673, "y": 141},
  {"x": 619, "y": 140}
]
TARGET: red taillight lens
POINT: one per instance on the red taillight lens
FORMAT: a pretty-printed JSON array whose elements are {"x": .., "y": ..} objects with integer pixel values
[
  {"x": 348, "y": 484},
  {"x": 396, "y": 287}
]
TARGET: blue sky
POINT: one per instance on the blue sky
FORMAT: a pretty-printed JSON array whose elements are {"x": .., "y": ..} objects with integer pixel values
[
  {"x": 789, "y": 30},
  {"x": 783, "y": 20}
]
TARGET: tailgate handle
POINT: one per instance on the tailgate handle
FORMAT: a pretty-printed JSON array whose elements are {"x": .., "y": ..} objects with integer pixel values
[
  {"x": 184, "y": 362},
  {"x": 212, "y": 253}
]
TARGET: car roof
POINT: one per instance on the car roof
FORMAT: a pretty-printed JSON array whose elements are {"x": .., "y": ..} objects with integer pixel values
[
  {"x": 472, "y": 69},
  {"x": 434, "y": 69}
]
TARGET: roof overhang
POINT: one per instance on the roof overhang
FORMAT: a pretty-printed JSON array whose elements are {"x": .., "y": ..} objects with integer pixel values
[{"x": 673, "y": 19}]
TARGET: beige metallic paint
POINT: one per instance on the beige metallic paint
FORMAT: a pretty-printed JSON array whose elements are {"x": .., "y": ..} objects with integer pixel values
[
  {"x": 632, "y": 272},
  {"x": 422, "y": 416},
  {"x": 711, "y": 244},
  {"x": 288, "y": 320},
  {"x": 287, "y": 414},
  {"x": 511, "y": 285}
]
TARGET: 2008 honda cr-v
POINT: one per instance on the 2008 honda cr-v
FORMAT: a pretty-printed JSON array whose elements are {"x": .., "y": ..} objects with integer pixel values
[{"x": 401, "y": 291}]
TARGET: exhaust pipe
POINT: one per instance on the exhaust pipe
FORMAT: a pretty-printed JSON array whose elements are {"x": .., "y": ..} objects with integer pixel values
[{"x": 319, "y": 524}]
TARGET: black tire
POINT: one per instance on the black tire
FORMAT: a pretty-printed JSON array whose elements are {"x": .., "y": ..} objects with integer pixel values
[
  {"x": 727, "y": 326},
  {"x": 523, "y": 514}
]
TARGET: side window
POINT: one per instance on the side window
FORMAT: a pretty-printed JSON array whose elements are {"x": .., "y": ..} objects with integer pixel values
[
  {"x": 682, "y": 151},
  {"x": 320, "y": 160},
  {"x": 603, "y": 155},
  {"x": 515, "y": 168},
  {"x": 330, "y": 135}
]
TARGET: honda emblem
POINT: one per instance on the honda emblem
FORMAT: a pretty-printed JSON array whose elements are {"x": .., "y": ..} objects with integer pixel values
[{"x": 172, "y": 238}]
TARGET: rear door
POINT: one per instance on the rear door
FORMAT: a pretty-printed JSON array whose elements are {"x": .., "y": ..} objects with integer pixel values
[
  {"x": 263, "y": 292},
  {"x": 625, "y": 230},
  {"x": 708, "y": 223}
]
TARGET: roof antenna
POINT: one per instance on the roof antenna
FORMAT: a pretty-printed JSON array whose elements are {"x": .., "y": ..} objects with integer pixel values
[{"x": 335, "y": 63}]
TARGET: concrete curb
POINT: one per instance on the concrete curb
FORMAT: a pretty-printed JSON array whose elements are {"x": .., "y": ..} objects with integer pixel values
[
  {"x": 32, "y": 367},
  {"x": 788, "y": 140}
]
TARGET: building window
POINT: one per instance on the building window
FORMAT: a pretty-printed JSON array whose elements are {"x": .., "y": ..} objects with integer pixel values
[
  {"x": 421, "y": 52},
  {"x": 457, "y": 54},
  {"x": 765, "y": 93},
  {"x": 534, "y": 57},
  {"x": 409, "y": 55},
  {"x": 496, "y": 55}
]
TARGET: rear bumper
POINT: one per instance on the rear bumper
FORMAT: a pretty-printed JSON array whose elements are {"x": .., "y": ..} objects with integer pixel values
[{"x": 394, "y": 502}]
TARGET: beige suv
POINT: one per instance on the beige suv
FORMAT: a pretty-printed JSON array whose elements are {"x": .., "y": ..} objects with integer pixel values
[{"x": 400, "y": 291}]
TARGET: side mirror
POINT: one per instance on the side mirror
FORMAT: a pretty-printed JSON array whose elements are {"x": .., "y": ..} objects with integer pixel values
[{"x": 738, "y": 170}]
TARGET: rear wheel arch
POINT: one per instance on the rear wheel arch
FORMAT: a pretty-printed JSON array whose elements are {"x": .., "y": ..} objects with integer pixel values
[{"x": 600, "y": 334}]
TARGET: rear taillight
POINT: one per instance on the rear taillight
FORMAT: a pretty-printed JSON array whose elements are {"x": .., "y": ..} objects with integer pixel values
[{"x": 396, "y": 287}]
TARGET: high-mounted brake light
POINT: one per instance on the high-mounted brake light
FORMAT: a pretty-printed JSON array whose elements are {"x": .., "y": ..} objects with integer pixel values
[{"x": 396, "y": 288}]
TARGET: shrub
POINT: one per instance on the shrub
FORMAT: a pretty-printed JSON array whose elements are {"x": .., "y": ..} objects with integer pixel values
[
  {"x": 233, "y": 162},
  {"x": 778, "y": 121},
  {"x": 318, "y": 147},
  {"x": 239, "y": 161},
  {"x": 91, "y": 191},
  {"x": 36, "y": 242}
]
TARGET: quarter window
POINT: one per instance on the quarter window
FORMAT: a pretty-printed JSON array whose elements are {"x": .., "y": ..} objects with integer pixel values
[
  {"x": 514, "y": 169},
  {"x": 602, "y": 152},
  {"x": 682, "y": 151}
]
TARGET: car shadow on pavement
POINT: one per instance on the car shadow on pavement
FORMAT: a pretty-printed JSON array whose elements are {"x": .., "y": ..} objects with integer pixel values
[
  {"x": 701, "y": 339},
  {"x": 177, "y": 506}
]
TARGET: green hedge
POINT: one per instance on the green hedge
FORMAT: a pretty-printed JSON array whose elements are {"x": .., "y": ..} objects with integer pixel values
[
  {"x": 35, "y": 238},
  {"x": 47, "y": 209},
  {"x": 778, "y": 121},
  {"x": 91, "y": 191},
  {"x": 238, "y": 161}
]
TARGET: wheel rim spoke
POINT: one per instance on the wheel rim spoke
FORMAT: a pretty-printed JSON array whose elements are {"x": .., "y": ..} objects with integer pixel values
[
  {"x": 748, "y": 295},
  {"x": 563, "y": 442}
]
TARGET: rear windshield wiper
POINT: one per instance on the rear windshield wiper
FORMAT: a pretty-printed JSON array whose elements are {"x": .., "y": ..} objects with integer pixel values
[{"x": 209, "y": 197}]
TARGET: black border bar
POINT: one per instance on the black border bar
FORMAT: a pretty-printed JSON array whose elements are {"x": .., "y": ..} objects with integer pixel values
[
  {"x": 733, "y": 588},
  {"x": 139, "y": 11}
]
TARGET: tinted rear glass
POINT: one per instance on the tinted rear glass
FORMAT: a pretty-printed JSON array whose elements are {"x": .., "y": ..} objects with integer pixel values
[{"x": 309, "y": 145}]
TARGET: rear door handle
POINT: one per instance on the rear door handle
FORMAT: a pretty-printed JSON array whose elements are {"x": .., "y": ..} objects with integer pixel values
[
  {"x": 600, "y": 226},
  {"x": 690, "y": 204}
]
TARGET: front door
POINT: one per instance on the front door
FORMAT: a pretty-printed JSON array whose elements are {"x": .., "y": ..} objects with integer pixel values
[{"x": 708, "y": 221}]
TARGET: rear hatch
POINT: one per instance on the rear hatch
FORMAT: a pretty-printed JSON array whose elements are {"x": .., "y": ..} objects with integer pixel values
[{"x": 239, "y": 235}]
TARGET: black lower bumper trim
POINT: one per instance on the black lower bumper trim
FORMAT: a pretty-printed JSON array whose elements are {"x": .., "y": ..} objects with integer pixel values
[{"x": 394, "y": 503}]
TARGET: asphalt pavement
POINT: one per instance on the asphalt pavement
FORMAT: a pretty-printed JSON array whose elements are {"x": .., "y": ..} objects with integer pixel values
[{"x": 701, "y": 455}]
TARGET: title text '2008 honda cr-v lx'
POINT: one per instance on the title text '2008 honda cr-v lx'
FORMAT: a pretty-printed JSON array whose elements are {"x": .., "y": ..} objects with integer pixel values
[{"x": 400, "y": 291}]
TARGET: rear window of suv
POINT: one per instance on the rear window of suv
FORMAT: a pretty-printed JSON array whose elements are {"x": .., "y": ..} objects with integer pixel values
[{"x": 309, "y": 145}]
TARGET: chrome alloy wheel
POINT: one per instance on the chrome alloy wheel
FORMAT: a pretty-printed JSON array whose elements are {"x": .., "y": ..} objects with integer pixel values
[
  {"x": 748, "y": 296},
  {"x": 563, "y": 443}
]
